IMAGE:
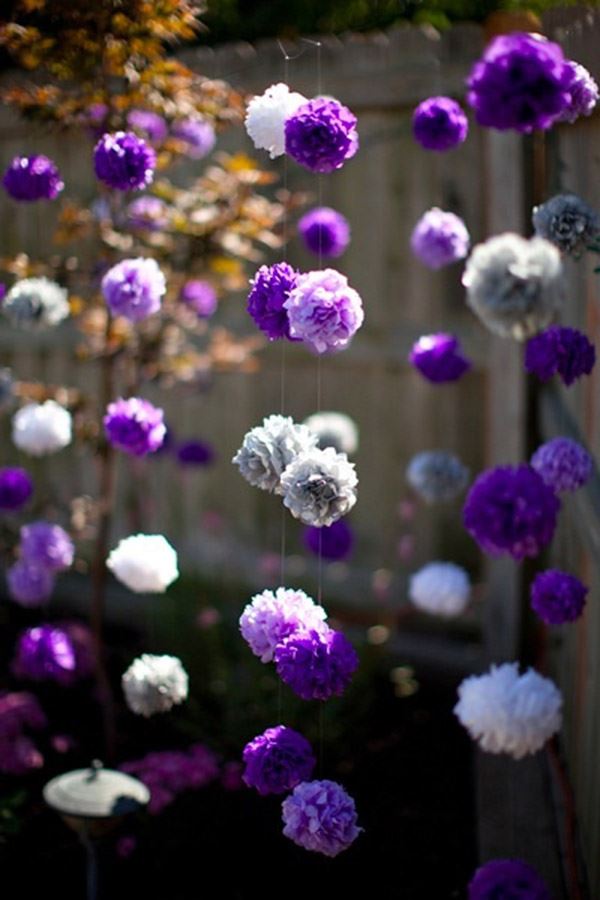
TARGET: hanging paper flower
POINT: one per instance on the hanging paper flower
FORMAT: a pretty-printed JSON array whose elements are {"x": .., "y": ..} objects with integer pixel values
[
  {"x": 321, "y": 135},
  {"x": 29, "y": 584},
  {"x": 277, "y": 760},
  {"x": 521, "y": 82},
  {"x": 510, "y": 510},
  {"x": 316, "y": 664},
  {"x": 507, "y": 878},
  {"x": 149, "y": 123},
  {"x": 583, "y": 93},
  {"x": 271, "y": 288},
  {"x": 42, "y": 428},
  {"x": 442, "y": 589},
  {"x": 319, "y": 486},
  {"x": 514, "y": 285},
  {"x": 198, "y": 135},
  {"x": 437, "y": 476},
  {"x": 272, "y": 616},
  {"x": 133, "y": 288},
  {"x": 324, "y": 231},
  {"x": 124, "y": 161},
  {"x": 324, "y": 311},
  {"x": 145, "y": 563},
  {"x": 266, "y": 116},
  {"x": 439, "y": 358},
  {"x": 332, "y": 542},
  {"x": 334, "y": 429},
  {"x": 16, "y": 487},
  {"x": 36, "y": 301},
  {"x": 195, "y": 453},
  {"x": 509, "y": 713},
  {"x": 557, "y": 597},
  {"x": 269, "y": 448},
  {"x": 154, "y": 684},
  {"x": 147, "y": 214},
  {"x": 320, "y": 816},
  {"x": 439, "y": 123},
  {"x": 134, "y": 426},
  {"x": 200, "y": 296},
  {"x": 440, "y": 238},
  {"x": 563, "y": 464},
  {"x": 567, "y": 222},
  {"x": 60, "y": 652},
  {"x": 30, "y": 178},
  {"x": 47, "y": 545},
  {"x": 565, "y": 351}
]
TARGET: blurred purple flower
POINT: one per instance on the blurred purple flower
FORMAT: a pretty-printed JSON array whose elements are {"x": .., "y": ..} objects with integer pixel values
[
  {"x": 557, "y": 597},
  {"x": 32, "y": 178},
  {"x": 59, "y": 652},
  {"x": 563, "y": 464},
  {"x": 331, "y": 542},
  {"x": 325, "y": 231},
  {"x": 277, "y": 760},
  {"x": 195, "y": 453},
  {"x": 147, "y": 214},
  {"x": 565, "y": 351},
  {"x": 507, "y": 879},
  {"x": 439, "y": 358},
  {"x": 439, "y": 123},
  {"x": 16, "y": 487},
  {"x": 198, "y": 134},
  {"x": 124, "y": 161},
  {"x": 200, "y": 296},
  {"x": 150, "y": 123},
  {"x": 47, "y": 545},
  {"x": 29, "y": 584}
]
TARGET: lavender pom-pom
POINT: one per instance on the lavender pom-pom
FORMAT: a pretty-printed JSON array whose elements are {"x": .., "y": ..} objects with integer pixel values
[
  {"x": 149, "y": 123},
  {"x": 321, "y": 135},
  {"x": 30, "y": 178},
  {"x": 272, "y": 616},
  {"x": 563, "y": 464},
  {"x": 439, "y": 123},
  {"x": 440, "y": 238},
  {"x": 439, "y": 358},
  {"x": 124, "y": 161},
  {"x": 437, "y": 476},
  {"x": 324, "y": 311},
  {"x": 29, "y": 584},
  {"x": 567, "y": 222},
  {"x": 325, "y": 232},
  {"x": 277, "y": 760},
  {"x": 269, "y": 448},
  {"x": 507, "y": 879},
  {"x": 583, "y": 93},
  {"x": 510, "y": 510},
  {"x": 332, "y": 542},
  {"x": 514, "y": 285},
  {"x": 200, "y": 296},
  {"x": 521, "y": 82},
  {"x": 147, "y": 214},
  {"x": 320, "y": 816},
  {"x": 16, "y": 487},
  {"x": 319, "y": 486},
  {"x": 133, "y": 288},
  {"x": 270, "y": 289},
  {"x": 563, "y": 351},
  {"x": 47, "y": 545},
  {"x": 134, "y": 426},
  {"x": 557, "y": 597},
  {"x": 197, "y": 134},
  {"x": 316, "y": 664}
]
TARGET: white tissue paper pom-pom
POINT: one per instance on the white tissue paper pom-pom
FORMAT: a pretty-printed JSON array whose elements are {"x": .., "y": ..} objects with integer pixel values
[
  {"x": 145, "y": 563},
  {"x": 440, "y": 588},
  {"x": 153, "y": 684},
  {"x": 266, "y": 115},
  {"x": 334, "y": 429},
  {"x": 509, "y": 713},
  {"x": 319, "y": 487},
  {"x": 269, "y": 448},
  {"x": 37, "y": 301},
  {"x": 42, "y": 428}
]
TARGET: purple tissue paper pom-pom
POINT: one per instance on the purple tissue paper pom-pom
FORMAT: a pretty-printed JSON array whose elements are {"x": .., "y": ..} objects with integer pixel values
[
  {"x": 29, "y": 584},
  {"x": 47, "y": 545},
  {"x": 510, "y": 510},
  {"x": 134, "y": 426},
  {"x": 320, "y": 816},
  {"x": 583, "y": 92},
  {"x": 324, "y": 311},
  {"x": 195, "y": 453},
  {"x": 321, "y": 135},
  {"x": 133, "y": 288},
  {"x": 507, "y": 879},
  {"x": 563, "y": 464},
  {"x": 439, "y": 358},
  {"x": 439, "y": 123},
  {"x": 331, "y": 542},
  {"x": 16, "y": 487},
  {"x": 277, "y": 760},
  {"x": 557, "y": 597},
  {"x": 200, "y": 296},
  {"x": 559, "y": 350},
  {"x": 124, "y": 161},
  {"x": 271, "y": 288},
  {"x": 153, "y": 125},
  {"x": 57, "y": 652},
  {"x": 316, "y": 665},
  {"x": 31, "y": 178},
  {"x": 325, "y": 231},
  {"x": 521, "y": 82},
  {"x": 439, "y": 238},
  {"x": 147, "y": 214},
  {"x": 198, "y": 134}
]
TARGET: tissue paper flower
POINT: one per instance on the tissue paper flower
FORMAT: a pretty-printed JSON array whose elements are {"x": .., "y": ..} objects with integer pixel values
[
  {"x": 134, "y": 426},
  {"x": 565, "y": 351},
  {"x": 321, "y": 135},
  {"x": 440, "y": 238},
  {"x": 507, "y": 879},
  {"x": 133, "y": 288},
  {"x": 316, "y": 664},
  {"x": 16, "y": 487},
  {"x": 124, "y": 161},
  {"x": 32, "y": 178},
  {"x": 320, "y": 816},
  {"x": 154, "y": 684},
  {"x": 42, "y": 428},
  {"x": 60, "y": 652},
  {"x": 563, "y": 464},
  {"x": 319, "y": 486},
  {"x": 439, "y": 123},
  {"x": 197, "y": 134},
  {"x": 277, "y": 760},
  {"x": 324, "y": 231},
  {"x": 269, "y": 448},
  {"x": 557, "y": 597},
  {"x": 266, "y": 116},
  {"x": 331, "y": 542},
  {"x": 47, "y": 545},
  {"x": 150, "y": 123},
  {"x": 334, "y": 429},
  {"x": 148, "y": 214},
  {"x": 272, "y": 616},
  {"x": 36, "y": 301},
  {"x": 583, "y": 93},
  {"x": 440, "y": 588},
  {"x": 200, "y": 296},
  {"x": 437, "y": 476},
  {"x": 439, "y": 358},
  {"x": 270, "y": 289},
  {"x": 29, "y": 584},
  {"x": 567, "y": 222},
  {"x": 323, "y": 310},
  {"x": 145, "y": 563}
]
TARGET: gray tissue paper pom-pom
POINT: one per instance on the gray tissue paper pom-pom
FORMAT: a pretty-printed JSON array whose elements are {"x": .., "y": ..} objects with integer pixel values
[
  {"x": 319, "y": 487},
  {"x": 153, "y": 684},
  {"x": 437, "y": 475},
  {"x": 269, "y": 448},
  {"x": 567, "y": 222}
]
